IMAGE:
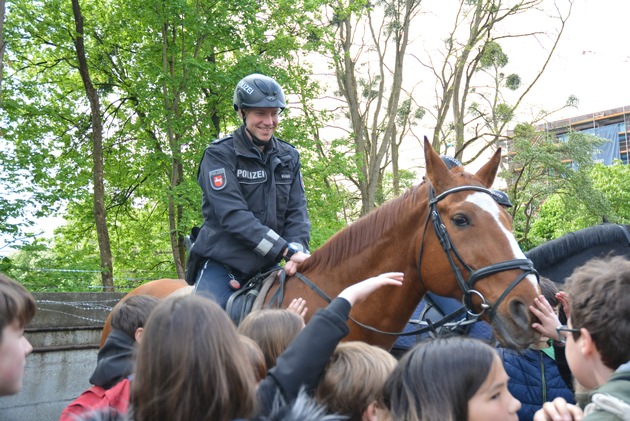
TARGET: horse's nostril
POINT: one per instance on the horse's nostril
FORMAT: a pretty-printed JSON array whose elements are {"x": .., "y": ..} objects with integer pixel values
[{"x": 519, "y": 313}]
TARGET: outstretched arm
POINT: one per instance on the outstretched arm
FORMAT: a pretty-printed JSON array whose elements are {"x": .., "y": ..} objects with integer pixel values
[
  {"x": 302, "y": 363},
  {"x": 358, "y": 292}
]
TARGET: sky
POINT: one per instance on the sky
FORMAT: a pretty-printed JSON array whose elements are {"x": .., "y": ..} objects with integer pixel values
[{"x": 592, "y": 62}]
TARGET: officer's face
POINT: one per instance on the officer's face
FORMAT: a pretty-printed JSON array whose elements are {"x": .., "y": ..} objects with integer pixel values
[{"x": 262, "y": 122}]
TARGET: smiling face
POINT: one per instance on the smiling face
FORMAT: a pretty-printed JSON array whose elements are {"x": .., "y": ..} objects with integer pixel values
[
  {"x": 14, "y": 348},
  {"x": 261, "y": 122},
  {"x": 493, "y": 401}
]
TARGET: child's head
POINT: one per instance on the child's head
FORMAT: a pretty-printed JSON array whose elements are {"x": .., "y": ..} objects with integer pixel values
[
  {"x": 549, "y": 290},
  {"x": 453, "y": 378},
  {"x": 273, "y": 330},
  {"x": 17, "y": 309},
  {"x": 255, "y": 356},
  {"x": 599, "y": 292},
  {"x": 191, "y": 365},
  {"x": 344, "y": 387},
  {"x": 132, "y": 314}
]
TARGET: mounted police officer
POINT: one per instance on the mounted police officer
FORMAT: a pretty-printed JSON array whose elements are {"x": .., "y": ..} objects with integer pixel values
[{"x": 253, "y": 197}]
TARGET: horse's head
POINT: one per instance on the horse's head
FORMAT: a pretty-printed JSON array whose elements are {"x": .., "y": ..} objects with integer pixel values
[{"x": 479, "y": 255}]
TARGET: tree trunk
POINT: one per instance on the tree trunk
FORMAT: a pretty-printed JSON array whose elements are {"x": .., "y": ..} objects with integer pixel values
[
  {"x": 2, "y": 45},
  {"x": 175, "y": 209},
  {"x": 100, "y": 216}
]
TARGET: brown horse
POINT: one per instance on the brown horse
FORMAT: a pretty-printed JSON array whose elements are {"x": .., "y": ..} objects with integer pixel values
[
  {"x": 160, "y": 288},
  {"x": 437, "y": 231}
]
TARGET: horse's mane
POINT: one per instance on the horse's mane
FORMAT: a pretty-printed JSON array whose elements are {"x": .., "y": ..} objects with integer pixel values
[
  {"x": 364, "y": 232},
  {"x": 572, "y": 243}
]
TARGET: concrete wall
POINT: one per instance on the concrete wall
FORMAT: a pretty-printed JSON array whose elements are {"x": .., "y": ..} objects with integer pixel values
[{"x": 65, "y": 335}]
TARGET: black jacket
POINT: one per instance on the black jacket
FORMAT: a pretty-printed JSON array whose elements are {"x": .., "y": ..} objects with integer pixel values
[
  {"x": 253, "y": 203},
  {"x": 115, "y": 360}
]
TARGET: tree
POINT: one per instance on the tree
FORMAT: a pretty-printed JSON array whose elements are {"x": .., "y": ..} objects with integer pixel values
[
  {"x": 372, "y": 94},
  {"x": 470, "y": 105},
  {"x": 2, "y": 44},
  {"x": 562, "y": 214},
  {"x": 100, "y": 217},
  {"x": 165, "y": 73},
  {"x": 540, "y": 166}
]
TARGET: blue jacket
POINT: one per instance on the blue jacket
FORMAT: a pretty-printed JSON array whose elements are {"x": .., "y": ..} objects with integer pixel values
[
  {"x": 253, "y": 203},
  {"x": 534, "y": 380}
]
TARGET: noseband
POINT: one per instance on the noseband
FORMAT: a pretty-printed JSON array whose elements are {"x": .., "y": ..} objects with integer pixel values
[{"x": 468, "y": 287}]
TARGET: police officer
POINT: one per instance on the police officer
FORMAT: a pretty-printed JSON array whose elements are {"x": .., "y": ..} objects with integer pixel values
[{"x": 253, "y": 197}]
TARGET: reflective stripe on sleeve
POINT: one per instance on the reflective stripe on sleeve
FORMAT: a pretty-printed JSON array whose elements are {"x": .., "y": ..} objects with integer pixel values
[{"x": 266, "y": 244}]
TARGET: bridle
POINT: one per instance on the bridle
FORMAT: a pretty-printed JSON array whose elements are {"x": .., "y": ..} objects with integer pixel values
[{"x": 468, "y": 287}]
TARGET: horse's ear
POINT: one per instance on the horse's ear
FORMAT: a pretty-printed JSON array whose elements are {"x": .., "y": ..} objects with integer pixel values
[
  {"x": 437, "y": 171},
  {"x": 488, "y": 172}
]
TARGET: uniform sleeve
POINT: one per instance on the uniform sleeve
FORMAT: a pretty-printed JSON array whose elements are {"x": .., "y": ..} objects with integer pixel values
[{"x": 218, "y": 181}]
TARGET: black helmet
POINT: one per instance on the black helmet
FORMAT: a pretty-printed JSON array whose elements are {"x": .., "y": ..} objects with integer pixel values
[
  {"x": 258, "y": 91},
  {"x": 501, "y": 198},
  {"x": 450, "y": 162}
]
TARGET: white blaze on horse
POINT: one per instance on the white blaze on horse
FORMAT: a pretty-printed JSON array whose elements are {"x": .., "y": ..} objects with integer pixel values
[{"x": 448, "y": 235}]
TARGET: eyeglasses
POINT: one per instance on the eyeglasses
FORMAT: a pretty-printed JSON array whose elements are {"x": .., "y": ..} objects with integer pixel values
[{"x": 563, "y": 332}]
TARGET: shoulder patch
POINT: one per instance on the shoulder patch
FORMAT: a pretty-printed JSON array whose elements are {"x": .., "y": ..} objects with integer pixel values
[{"x": 217, "y": 179}]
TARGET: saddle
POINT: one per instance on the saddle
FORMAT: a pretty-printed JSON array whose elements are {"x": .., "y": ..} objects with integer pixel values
[{"x": 251, "y": 296}]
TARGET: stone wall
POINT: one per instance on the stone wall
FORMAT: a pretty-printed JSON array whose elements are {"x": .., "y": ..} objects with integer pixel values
[{"x": 65, "y": 335}]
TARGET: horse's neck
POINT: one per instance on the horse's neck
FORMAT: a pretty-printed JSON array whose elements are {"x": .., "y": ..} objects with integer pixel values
[{"x": 394, "y": 250}]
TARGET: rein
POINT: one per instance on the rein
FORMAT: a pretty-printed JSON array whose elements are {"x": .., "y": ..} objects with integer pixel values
[{"x": 428, "y": 325}]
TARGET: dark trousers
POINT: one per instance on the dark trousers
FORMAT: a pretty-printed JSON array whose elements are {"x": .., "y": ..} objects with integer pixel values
[{"x": 213, "y": 281}]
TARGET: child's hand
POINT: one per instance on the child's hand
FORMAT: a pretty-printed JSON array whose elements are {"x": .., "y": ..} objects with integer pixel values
[
  {"x": 359, "y": 291},
  {"x": 564, "y": 302},
  {"x": 298, "y": 306},
  {"x": 548, "y": 318},
  {"x": 559, "y": 410}
]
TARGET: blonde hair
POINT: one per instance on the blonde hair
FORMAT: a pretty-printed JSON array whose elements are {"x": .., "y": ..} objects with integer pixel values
[
  {"x": 344, "y": 388},
  {"x": 273, "y": 330},
  {"x": 255, "y": 356}
]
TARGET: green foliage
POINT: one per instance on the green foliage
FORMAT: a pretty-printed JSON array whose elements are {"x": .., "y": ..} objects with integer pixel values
[
  {"x": 492, "y": 55},
  {"x": 560, "y": 215},
  {"x": 513, "y": 81},
  {"x": 165, "y": 72},
  {"x": 540, "y": 167}
]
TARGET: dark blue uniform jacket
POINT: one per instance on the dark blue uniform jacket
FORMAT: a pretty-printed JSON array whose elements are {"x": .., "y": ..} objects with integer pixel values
[{"x": 253, "y": 203}]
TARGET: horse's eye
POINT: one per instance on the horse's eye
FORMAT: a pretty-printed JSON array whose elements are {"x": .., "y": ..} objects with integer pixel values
[{"x": 460, "y": 220}]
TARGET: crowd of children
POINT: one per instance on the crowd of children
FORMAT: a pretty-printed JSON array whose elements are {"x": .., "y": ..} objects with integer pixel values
[{"x": 184, "y": 359}]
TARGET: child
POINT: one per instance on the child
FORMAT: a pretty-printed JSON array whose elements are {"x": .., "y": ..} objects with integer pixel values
[
  {"x": 255, "y": 356},
  {"x": 535, "y": 375},
  {"x": 353, "y": 380},
  {"x": 17, "y": 309},
  {"x": 111, "y": 378},
  {"x": 597, "y": 341},
  {"x": 273, "y": 330},
  {"x": 452, "y": 378}
]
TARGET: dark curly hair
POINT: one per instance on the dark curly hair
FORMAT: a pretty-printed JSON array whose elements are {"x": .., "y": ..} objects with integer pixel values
[{"x": 599, "y": 292}]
